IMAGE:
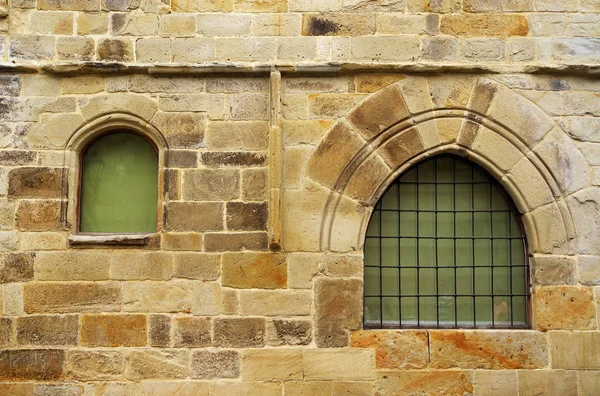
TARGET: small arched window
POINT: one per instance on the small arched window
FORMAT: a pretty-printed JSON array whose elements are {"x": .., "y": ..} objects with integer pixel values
[
  {"x": 445, "y": 249},
  {"x": 119, "y": 185}
]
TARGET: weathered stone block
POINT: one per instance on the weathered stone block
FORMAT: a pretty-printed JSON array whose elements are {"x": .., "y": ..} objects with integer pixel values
[
  {"x": 10, "y": 85},
  {"x": 190, "y": 332},
  {"x": 64, "y": 266},
  {"x": 12, "y": 299},
  {"x": 224, "y": 24},
  {"x": 193, "y": 50},
  {"x": 272, "y": 365},
  {"x": 39, "y": 216},
  {"x": 331, "y": 105},
  {"x": 261, "y": 5},
  {"x": 207, "y": 298},
  {"x": 153, "y": 50},
  {"x": 222, "y": 159},
  {"x": 82, "y": 85},
  {"x": 275, "y": 302},
  {"x": 254, "y": 184},
  {"x": 242, "y": 135},
  {"x": 211, "y": 185},
  {"x": 338, "y": 309},
  {"x": 119, "y": 50},
  {"x": 245, "y": 49},
  {"x": 94, "y": 365},
  {"x": 242, "y": 216},
  {"x": 385, "y": 48},
  {"x": 245, "y": 388},
  {"x": 575, "y": 350},
  {"x": 495, "y": 25},
  {"x": 255, "y": 241},
  {"x": 215, "y": 364},
  {"x": 52, "y": 22},
  {"x": 254, "y": 270},
  {"x": 69, "y": 5},
  {"x": 548, "y": 382},
  {"x": 338, "y": 24},
  {"x": 182, "y": 159},
  {"x": 113, "y": 330},
  {"x": 141, "y": 266},
  {"x": 490, "y": 350},
  {"x": 554, "y": 270},
  {"x": 177, "y": 25},
  {"x": 425, "y": 382},
  {"x": 589, "y": 382},
  {"x": 395, "y": 349},
  {"x": 289, "y": 332},
  {"x": 239, "y": 332},
  {"x": 589, "y": 270},
  {"x": 565, "y": 307},
  {"x": 182, "y": 241},
  {"x": 247, "y": 106},
  {"x": 31, "y": 364},
  {"x": 194, "y": 216},
  {"x": 147, "y": 364},
  {"x": 47, "y": 330},
  {"x": 277, "y": 25},
  {"x": 183, "y": 388},
  {"x": 16, "y": 267},
  {"x": 72, "y": 297},
  {"x": 31, "y": 47},
  {"x": 6, "y": 337},
  {"x": 35, "y": 183},
  {"x": 340, "y": 364},
  {"x": 157, "y": 296},
  {"x": 134, "y": 24},
  {"x": 401, "y": 147},
  {"x": 301, "y": 270},
  {"x": 199, "y": 266},
  {"x": 159, "y": 330},
  {"x": 182, "y": 130},
  {"x": 584, "y": 209},
  {"x": 88, "y": 23}
]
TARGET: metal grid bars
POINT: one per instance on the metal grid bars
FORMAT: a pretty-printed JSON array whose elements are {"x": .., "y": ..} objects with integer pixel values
[{"x": 445, "y": 249}]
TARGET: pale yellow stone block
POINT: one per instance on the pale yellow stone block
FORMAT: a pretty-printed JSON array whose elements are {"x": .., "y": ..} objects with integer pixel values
[
  {"x": 207, "y": 298},
  {"x": 302, "y": 267},
  {"x": 277, "y": 25},
  {"x": 339, "y": 364},
  {"x": 12, "y": 299},
  {"x": 82, "y": 84},
  {"x": 228, "y": 388},
  {"x": 245, "y": 49},
  {"x": 43, "y": 241},
  {"x": 276, "y": 302},
  {"x": 52, "y": 22},
  {"x": 91, "y": 266},
  {"x": 385, "y": 48},
  {"x": 179, "y": 388},
  {"x": 141, "y": 266},
  {"x": 157, "y": 296},
  {"x": 224, "y": 24},
  {"x": 496, "y": 149},
  {"x": 177, "y": 25},
  {"x": 40, "y": 85},
  {"x": 294, "y": 161},
  {"x": 88, "y": 23},
  {"x": 272, "y": 365}
]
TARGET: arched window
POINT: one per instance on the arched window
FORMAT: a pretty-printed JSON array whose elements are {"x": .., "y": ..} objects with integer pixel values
[
  {"x": 119, "y": 185},
  {"x": 445, "y": 249}
]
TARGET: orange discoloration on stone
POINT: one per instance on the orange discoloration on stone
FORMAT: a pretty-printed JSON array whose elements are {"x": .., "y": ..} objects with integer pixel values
[
  {"x": 489, "y": 25},
  {"x": 113, "y": 330},
  {"x": 260, "y": 270},
  {"x": 395, "y": 349},
  {"x": 565, "y": 307}
]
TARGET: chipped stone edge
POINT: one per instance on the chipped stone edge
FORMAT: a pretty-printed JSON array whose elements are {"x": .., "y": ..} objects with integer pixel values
[
  {"x": 70, "y": 68},
  {"x": 113, "y": 239}
]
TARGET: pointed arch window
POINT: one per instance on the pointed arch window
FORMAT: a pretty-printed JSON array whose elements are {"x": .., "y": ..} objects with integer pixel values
[
  {"x": 119, "y": 185},
  {"x": 445, "y": 248}
]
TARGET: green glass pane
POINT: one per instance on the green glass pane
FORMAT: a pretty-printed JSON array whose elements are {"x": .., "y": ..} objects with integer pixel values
[{"x": 119, "y": 185}]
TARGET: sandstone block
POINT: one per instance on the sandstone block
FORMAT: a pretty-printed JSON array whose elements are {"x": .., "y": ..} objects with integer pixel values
[
  {"x": 589, "y": 270},
  {"x": 12, "y": 299},
  {"x": 275, "y": 302},
  {"x": 7, "y": 215},
  {"x": 182, "y": 159},
  {"x": 314, "y": 388},
  {"x": 193, "y": 49},
  {"x": 172, "y": 189},
  {"x": 495, "y": 383},
  {"x": 208, "y": 364},
  {"x": 64, "y": 266},
  {"x": 338, "y": 24},
  {"x": 113, "y": 330},
  {"x": 575, "y": 350},
  {"x": 583, "y": 206},
  {"x": 272, "y": 365},
  {"x": 237, "y": 159},
  {"x": 17, "y": 388},
  {"x": 230, "y": 301},
  {"x": 502, "y": 349},
  {"x": 194, "y": 216},
  {"x": 289, "y": 332},
  {"x": 6, "y": 337},
  {"x": 242, "y": 216},
  {"x": 277, "y": 25},
  {"x": 495, "y": 25},
  {"x": 157, "y": 296},
  {"x": 207, "y": 298},
  {"x": 335, "y": 150},
  {"x": 521, "y": 49},
  {"x": 204, "y": 6},
  {"x": 9, "y": 240},
  {"x": 47, "y": 330},
  {"x": 119, "y": 50},
  {"x": 565, "y": 307},
  {"x": 393, "y": 23},
  {"x": 239, "y": 135},
  {"x": 35, "y": 183},
  {"x": 224, "y": 24},
  {"x": 141, "y": 266},
  {"x": 245, "y": 388},
  {"x": 331, "y": 105},
  {"x": 589, "y": 382},
  {"x": 497, "y": 149},
  {"x": 245, "y": 49},
  {"x": 70, "y": 5},
  {"x": 211, "y": 185},
  {"x": 551, "y": 232},
  {"x": 134, "y": 24},
  {"x": 301, "y": 270},
  {"x": 254, "y": 241},
  {"x": 191, "y": 332},
  {"x": 177, "y": 25},
  {"x": 294, "y": 106},
  {"x": 395, "y": 349},
  {"x": 199, "y": 266},
  {"x": 237, "y": 84},
  {"x": 239, "y": 332},
  {"x": 52, "y": 22},
  {"x": 35, "y": 85},
  {"x": 315, "y": 84},
  {"x": 10, "y": 85},
  {"x": 113, "y": 388},
  {"x": 31, "y": 364},
  {"x": 484, "y": 49},
  {"x": 31, "y": 47},
  {"x": 313, "y": 5},
  {"x": 39, "y": 216},
  {"x": 261, "y": 5},
  {"x": 425, "y": 382},
  {"x": 153, "y": 50},
  {"x": 440, "y": 48},
  {"x": 147, "y": 364},
  {"x": 159, "y": 330},
  {"x": 340, "y": 364},
  {"x": 554, "y": 270},
  {"x": 385, "y": 48},
  {"x": 182, "y": 241},
  {"x": 94, "y": 365},
  {"x": 401, "y": 147},
  {"x": 254, "y": 270},
  {"x": 88, "y": 23},
  {"x": 548, "y": 382},
  {"x": 247, "y": 106},
  {"x": 82, "y": 85},
  {"x": 297, "y": 49},
  {"x": 174, "y": 388},
  {"x": 182, "y": 130},
  {"x": 16, "y": 267},
  {"x": 75, "y": 48},
  {"x": 338, "y": 308},
  {"x": 535, "y": 189}
]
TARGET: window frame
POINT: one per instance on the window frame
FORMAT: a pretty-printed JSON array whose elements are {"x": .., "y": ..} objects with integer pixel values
[{"x": 528, "y": 278}]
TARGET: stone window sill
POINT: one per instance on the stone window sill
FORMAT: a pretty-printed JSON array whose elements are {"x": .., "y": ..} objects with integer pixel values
[{"x": 110, "y": 239}]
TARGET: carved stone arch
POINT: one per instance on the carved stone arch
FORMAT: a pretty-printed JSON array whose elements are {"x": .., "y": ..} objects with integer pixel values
[{"x": 412, "y": 119}]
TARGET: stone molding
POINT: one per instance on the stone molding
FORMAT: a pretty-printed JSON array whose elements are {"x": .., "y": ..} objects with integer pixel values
[{"x": 404, "y": 123}]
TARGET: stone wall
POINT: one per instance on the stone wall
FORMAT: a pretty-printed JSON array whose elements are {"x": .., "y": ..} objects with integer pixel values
[{"x": 279, "y": 124}]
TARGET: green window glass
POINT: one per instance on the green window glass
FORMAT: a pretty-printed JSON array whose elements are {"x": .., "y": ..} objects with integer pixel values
[
  {"x": 119, "y": 185},
  {"x": 445, "y": 248}
]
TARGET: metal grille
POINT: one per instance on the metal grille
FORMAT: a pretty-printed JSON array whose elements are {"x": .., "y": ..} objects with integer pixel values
[{"x": 445, "y": 248}]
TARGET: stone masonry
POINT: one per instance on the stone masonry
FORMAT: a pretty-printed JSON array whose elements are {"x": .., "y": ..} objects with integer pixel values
[{"x": 279, "y": 124}]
